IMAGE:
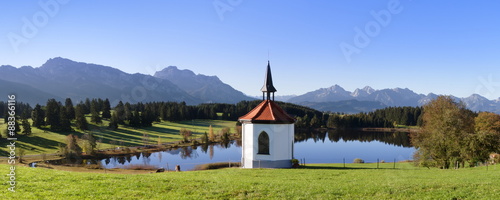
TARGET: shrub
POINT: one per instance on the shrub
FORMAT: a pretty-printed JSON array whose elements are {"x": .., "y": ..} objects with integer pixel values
[
  {"x": 358, "y": 160},
  {"x": 224, "y": 134},
  {"x": 185, "y": 133},
  {"x": 295, "y": 163}
]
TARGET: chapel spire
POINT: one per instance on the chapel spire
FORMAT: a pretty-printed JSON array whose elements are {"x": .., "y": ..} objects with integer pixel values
[{"x": 268, "y": 87}]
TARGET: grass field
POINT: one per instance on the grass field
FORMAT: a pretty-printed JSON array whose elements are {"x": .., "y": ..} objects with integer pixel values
[
  {"x": 47, "y": 142},
  {"x": 320, "y": 181}
]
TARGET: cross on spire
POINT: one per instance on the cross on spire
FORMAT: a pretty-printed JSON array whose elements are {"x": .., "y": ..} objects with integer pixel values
[{"x": 268, "y": 87}]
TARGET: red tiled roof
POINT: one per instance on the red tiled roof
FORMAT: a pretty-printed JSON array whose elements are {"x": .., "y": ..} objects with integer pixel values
[{"x": 268, "y": 112}]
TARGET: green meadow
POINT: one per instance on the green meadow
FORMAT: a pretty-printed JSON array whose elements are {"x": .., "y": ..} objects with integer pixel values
[
  {"x": 318, "y": 181},
  {"x": 43, "y": 141},
  {"x": 314, "y": 181}
]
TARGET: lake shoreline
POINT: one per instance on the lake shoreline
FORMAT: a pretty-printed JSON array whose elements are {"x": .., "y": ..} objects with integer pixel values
[
  {"x": 408, "y": 130},
  {"x": 132, "y": 151},
  {"x": 40, "y": 161}
]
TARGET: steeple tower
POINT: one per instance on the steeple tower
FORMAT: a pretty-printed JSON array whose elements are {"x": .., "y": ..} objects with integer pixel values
[
  {"x": 268, "y": 87},
  {"x": 267, "y": 132}
]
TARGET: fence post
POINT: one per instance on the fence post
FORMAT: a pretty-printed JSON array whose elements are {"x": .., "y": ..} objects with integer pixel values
[
  {"x": 344, "y": 162},
  {"x": 394, "y": 167},
  {"x": 377, "y": 163}
]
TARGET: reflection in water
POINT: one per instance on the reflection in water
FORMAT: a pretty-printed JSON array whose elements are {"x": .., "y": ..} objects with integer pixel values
[
  {"x": 211, "y": 149},
  {"x": 187, "y": 157},
  {"x": 317, "y": 147},
  {"x": 187, "y": 152},
  {"x": 337, "y": 146},
  {"x": 399, "y": 139}
]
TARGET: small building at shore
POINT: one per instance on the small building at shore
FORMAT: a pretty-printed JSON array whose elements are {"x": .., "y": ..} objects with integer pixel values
[{"x": 267, "y": 132}]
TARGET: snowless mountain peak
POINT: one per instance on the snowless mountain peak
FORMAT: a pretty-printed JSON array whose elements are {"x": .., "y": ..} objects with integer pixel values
[
  {"x": 368, "y": 89},
  {"x": 392, "y": 97}
]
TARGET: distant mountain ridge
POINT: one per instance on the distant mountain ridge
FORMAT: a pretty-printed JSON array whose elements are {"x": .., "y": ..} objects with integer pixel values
[
  {"x": 329, "y": 99},
  {"x": 62, "y": 78},
  {"x": 345, "y": 106},
  {"x": 210, "y": 89}
]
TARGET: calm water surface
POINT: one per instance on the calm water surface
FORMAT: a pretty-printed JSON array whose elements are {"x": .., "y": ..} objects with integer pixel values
[{"x": 328, "y": 147}]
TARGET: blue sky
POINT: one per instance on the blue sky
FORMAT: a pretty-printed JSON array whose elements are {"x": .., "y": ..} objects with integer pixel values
[{"x": 428, "y": 46}]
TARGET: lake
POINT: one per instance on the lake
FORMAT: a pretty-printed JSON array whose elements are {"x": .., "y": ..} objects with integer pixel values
[
  {"x": 337, "y": 145},
  {"x": 315, "y": 147}
]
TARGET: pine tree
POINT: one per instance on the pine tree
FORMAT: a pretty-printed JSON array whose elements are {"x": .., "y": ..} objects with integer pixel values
[
  {"x": 128, "y": 113},
  {"x": 147, "y": 117},
  {"x": 26, "y": 127},
  {"x": 65, "y": 123},
  {"x": 70, "y": 109},
  {"x": 120, "y": 113},
  {"x": 38, "y": 116},
  {"x": 106, "y": 109},
  {"x": 53, "y": 114},
  {"x": 94, "y": 112},
  {"x": 100, "y": 104},
  {"x": 87, "y": 106},
  {"x": 81, "y": 121},
  {"x": 135, "y": 120},
  {"x": 113, "y": 122}
]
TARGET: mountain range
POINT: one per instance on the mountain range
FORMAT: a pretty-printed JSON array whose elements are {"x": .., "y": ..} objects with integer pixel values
[
  {"x": 209, "y": 89},
  {"x": 62, "y": 78},
  {"x": 337, "y": 99}
]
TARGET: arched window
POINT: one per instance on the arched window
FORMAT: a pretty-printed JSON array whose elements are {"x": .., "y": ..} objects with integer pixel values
[{"x": 263, "y": 143}]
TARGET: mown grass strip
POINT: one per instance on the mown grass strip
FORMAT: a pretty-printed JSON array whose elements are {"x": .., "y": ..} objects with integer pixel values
[{"x": 324, "y": 181}]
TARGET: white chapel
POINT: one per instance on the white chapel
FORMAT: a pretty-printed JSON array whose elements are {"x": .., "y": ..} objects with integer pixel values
[{"x": 267, "y": 132}]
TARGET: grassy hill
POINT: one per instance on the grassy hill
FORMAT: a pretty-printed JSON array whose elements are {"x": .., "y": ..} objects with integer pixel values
[
  {"x": 320, "y": 181},
  {"x": 47, "y": 142}
]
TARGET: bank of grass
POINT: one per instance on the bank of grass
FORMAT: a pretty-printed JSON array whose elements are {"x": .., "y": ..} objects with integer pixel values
[
  {"x": 219, "y": 165},
  {"x": 47, "y": 142},
  {"x": 319, "y": 181}
]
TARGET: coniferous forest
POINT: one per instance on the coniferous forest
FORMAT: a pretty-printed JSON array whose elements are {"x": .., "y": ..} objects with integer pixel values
[{"x": 58, "y": 116}]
